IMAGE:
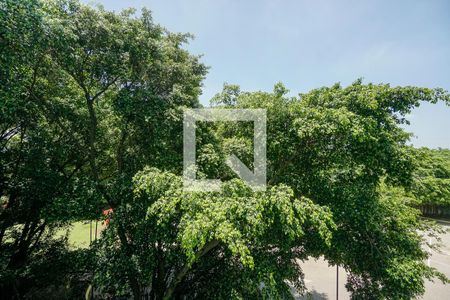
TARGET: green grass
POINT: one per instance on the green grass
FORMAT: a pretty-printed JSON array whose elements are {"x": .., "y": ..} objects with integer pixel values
[{"x": 79, "y": 233}]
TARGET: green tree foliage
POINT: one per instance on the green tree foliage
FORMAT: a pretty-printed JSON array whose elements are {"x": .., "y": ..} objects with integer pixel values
[
  {"x": 336, "y": 146},
  {"x": 430, "y": 188},
  {"x": 214, "y": 245},
  {"x": 91, "y": 106},
  {"x": 432, "y": 177},
  {"x": 41, "y": 155},
  {"x": 88, "y": 97}
]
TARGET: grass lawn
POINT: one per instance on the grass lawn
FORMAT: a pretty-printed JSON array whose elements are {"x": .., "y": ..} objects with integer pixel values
[{"x": 80, "y": 232}]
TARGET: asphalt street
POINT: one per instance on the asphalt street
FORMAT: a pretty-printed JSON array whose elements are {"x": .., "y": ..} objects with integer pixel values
[{"x": 320, "y": 278}]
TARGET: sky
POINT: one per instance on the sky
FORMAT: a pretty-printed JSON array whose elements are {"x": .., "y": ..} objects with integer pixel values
[{"x": 309, "y": 44}]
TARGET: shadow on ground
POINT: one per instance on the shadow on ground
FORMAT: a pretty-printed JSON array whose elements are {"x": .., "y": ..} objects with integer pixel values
[{"x": 313, "y": 295}]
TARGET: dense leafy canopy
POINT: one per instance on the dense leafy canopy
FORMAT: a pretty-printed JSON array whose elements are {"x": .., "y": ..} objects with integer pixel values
[
  {"x": 432, "y": 177},
  {"x": 91, "y": 105},
  {"x": 88, "y": 97},
  {"x": 337, "y": 146},
  {"x": 224, "y": 243},
  {"x": 430, "y": 188}
]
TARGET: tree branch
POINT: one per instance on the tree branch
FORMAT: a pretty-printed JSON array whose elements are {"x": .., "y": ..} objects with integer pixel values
[{"x": 171, "y": 289}]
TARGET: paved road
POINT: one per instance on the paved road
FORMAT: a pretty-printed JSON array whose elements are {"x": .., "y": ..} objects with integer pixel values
[
  {"x": 320, "y": 279},
  {"x": 441, "y": 261}
]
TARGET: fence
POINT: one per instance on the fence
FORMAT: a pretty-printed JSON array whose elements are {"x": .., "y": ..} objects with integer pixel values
[{"x": 435, "y": 211}]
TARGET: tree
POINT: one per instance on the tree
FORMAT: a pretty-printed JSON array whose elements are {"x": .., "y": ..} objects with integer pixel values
[
  {"x": 336, "y": 146},
  {"x": 214, "y": 245},
  {"x": 431, "y": 185},
  {"x": 41, "y": 187},
  {"x": 88, "y": 98}
]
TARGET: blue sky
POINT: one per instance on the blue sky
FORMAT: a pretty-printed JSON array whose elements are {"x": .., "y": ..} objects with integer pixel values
[{"x": 308, "y": 44}]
